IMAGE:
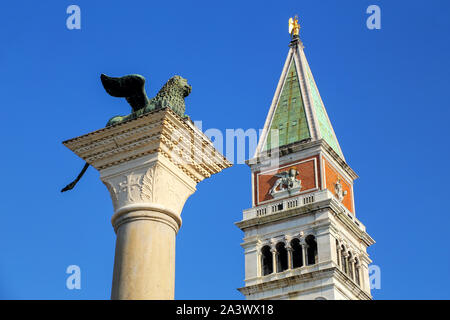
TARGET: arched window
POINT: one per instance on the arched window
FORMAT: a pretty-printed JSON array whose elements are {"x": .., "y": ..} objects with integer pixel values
[
  {"x": 338, "y": 254},
  {"x": 297, "y": 254},
  {"x": 357, "y": 277},
  {"x": 350, "y": 265},
  {"x": 343, "y": 260},
  {"x": 311, "y": 253},
  {"x": 266, "y": 261},
  {"x": 282, "y": 257}
]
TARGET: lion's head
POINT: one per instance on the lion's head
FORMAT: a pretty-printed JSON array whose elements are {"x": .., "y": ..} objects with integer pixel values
[
  {"x": 180, "y": 84},
  {"x": 172, "y": 94}
]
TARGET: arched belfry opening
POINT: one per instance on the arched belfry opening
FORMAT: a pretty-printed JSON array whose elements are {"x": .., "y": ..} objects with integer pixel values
[
  {"x": 311, "y": 252},
  {"x": 297, "y": 254},
  {"x": 282, "y": 257},
  {"x": 266, "y": 261}
]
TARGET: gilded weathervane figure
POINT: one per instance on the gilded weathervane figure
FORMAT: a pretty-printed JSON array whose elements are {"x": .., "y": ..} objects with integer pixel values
[{"x": 294, "y": 27}]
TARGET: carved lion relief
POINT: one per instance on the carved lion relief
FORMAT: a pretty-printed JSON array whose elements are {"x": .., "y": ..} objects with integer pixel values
[{"x": 286, "y": 183}]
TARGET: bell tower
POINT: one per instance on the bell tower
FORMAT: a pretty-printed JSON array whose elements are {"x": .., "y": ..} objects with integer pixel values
[{"x": 302, "y": 239}]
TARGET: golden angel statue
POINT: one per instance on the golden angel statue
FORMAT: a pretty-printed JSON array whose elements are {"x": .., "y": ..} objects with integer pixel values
[{"x": 294, "y": 26}]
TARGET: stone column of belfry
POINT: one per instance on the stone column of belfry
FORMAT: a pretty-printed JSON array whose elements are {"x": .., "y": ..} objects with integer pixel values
[
  {"x": 289, "y": 252},
  {"x": 150, "y": 166},
  {"x": 304, "y": 251},
  {"x": 273, "y": 249}
]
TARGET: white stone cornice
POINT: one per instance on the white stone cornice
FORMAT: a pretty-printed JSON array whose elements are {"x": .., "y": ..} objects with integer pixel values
[
  {"x": 161, "y": 131},
  {"x": 287, "y": 283}
]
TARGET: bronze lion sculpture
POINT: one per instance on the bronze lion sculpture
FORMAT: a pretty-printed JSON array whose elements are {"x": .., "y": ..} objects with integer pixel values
[{"x": 132, "y": 88}]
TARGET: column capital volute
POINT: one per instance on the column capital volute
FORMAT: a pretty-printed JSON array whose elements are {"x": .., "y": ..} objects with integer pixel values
[
  {"x": 259, "y": 245},
  {"x": 273, "y": 246}
]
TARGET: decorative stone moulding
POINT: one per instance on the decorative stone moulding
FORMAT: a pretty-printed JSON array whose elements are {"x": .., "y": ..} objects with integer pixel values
[{"x": 154, "y": 149}]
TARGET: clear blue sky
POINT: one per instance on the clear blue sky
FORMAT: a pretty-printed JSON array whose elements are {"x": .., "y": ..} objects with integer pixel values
[{"x": 386, "y": 93}]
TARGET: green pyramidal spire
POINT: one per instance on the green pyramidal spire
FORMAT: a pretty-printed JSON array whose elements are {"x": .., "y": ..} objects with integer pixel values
[
  {"x": 297, "y": 111},
  {"x": 289, "y": 118}
]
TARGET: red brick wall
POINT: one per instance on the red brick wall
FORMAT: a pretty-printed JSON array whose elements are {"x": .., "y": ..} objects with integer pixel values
[{"x": 331, "y": 177}]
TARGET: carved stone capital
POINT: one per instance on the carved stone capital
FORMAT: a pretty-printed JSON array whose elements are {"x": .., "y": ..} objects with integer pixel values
[
  {"x": 273, "y": 245},
  {"x": 303, "y": 242},
  {"x": 157, "y": 158},
  {"x": 155, "y": 182},
  {"x": 131, "y": 187}
]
